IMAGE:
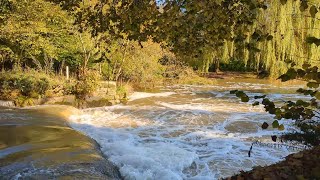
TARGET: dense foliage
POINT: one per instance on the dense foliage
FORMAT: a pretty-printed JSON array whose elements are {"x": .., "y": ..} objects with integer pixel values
[
  {"x": 260, "y": 34},
  {"x": 127, "y": 40},
  {"x": 26, "y": 86}
]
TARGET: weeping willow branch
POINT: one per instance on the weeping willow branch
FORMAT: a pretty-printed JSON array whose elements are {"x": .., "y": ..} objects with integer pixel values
[
  {"x": 304, "y": 57},
  {"x": 302, "y": 16}
]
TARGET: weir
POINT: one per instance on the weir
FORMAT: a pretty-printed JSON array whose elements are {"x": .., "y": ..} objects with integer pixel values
[{"x": 37, "y": 143}]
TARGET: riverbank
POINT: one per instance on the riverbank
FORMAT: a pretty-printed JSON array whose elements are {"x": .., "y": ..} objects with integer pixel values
[
  {"x": 302, "y": 165},
  {"x": 106, "y": 95},
  {"x": 37, "y": 143}
]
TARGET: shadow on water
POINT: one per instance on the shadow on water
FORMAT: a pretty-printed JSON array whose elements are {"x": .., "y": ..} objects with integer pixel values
[{"x": 38, "y": 144}]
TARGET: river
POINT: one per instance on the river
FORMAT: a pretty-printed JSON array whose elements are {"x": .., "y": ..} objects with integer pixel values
[{"x": 187, "y": 132}]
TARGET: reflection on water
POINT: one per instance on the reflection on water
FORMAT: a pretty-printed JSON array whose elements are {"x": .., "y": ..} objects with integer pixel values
[{"x": 186, "y": 132}]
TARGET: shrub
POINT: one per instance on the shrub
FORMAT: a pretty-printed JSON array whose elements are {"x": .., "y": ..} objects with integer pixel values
[
  {"x": 14, "y": 84},
  {"x": 85, "y": 86}
]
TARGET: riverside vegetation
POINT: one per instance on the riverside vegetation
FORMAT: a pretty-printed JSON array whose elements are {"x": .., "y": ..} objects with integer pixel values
[
  {"x": 173, "y": 40},
  {"x": 150, "y": 43}
]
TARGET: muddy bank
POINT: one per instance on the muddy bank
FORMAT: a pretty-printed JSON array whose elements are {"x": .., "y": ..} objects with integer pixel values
[
  {"x": 37, "y": 143},
  {"x": 302, "y": 165}
]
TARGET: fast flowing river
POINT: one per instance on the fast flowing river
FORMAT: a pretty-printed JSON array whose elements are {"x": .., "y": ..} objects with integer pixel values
[{"x": 187, "y": 132}]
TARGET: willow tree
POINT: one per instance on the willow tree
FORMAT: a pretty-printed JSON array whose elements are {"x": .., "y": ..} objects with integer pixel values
[
  {"x": 280, "y": 34},
  {"x": 191, "y": 29},
  {"x": 291, "y": 22}
]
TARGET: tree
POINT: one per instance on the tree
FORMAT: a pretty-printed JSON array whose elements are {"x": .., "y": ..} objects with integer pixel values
[
  {"x": 187, "y": 27},
  {"x": 277, "y": 35},
  {"x": 36, "y": 31}
]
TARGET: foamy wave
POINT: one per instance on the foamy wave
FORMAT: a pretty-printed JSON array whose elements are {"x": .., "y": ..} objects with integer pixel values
[
  {"x": 204, "y": 134},
  {"x": 140, "y": 95}
]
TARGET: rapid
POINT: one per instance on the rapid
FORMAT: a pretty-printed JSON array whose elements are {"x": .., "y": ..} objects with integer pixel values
[{"x": 187, "y": 132}]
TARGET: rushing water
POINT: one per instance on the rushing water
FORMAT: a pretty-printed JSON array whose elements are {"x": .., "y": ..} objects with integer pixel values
[{"x": 186, "y": 132}]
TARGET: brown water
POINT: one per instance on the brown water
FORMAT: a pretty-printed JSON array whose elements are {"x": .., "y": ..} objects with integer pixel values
[
  {"x": 187, "y": 132},
  {"x": 36, "y": 143}
]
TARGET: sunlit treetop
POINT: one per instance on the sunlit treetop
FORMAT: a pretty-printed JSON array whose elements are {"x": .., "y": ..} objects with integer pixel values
[{"x": 183, "y": 24}]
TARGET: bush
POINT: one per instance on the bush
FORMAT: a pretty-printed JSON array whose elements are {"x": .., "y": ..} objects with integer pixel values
[
  {"x": 176, "y": 72},
  {"x": 13, "y": 85},
  {"x": 85, "y": 86},
  {"x": 23, "y": 87}
]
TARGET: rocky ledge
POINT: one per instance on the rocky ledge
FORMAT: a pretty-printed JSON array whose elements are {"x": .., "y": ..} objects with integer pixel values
[{"x": 37, "y": 143}]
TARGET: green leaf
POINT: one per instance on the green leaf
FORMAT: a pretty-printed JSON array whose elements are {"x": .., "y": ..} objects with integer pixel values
[
  {"x": 278, "y": 112},
  {"x": 313, "y": 40},
  {"x": 313, "y": 85},
  {"x": 266, "y": 101},
  {"x": 259, "y": 97},
  {"x": 313, "y": 11},
  {"x": 275, "y": 124},
  {"x": 255, "y": 103},
  {"x": 300, "y": 90},
  {"x": 245, "y": 98},
  {"x": 284, "y": 77},
  {"x": 303, "y": 5},
  {"x": 283, "y": 2},
  {"x": 265, "y": 125},
  {"x": 288, "y": 61},
  {"x": 240, "y": 94},
  {"x": 317, "y": 95},
  {"x": 233, "y": 91},
  {"x": 305, "y": 66},
  {"x": 314, "y": 69},
  {"x": 301, "y": 72},
  {"x": 288, "y": 115},
  {"x": 278, "y": 117},
  {"x": 300, "y": 102},
  {"x": 292, "y": 73},
  {"x": 281, "y": 127},
  {"x": 255, "y": 35}
]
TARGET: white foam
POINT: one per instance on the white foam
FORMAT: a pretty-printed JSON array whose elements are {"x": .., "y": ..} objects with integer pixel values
[
  {"x": 196, "y": 108},
  {"x": 189, "y": 137},
  {"x": 140, "y": 95}
]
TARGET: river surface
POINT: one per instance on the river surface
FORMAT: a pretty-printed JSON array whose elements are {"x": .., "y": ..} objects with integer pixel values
[{"x": 187, "y": 132}]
